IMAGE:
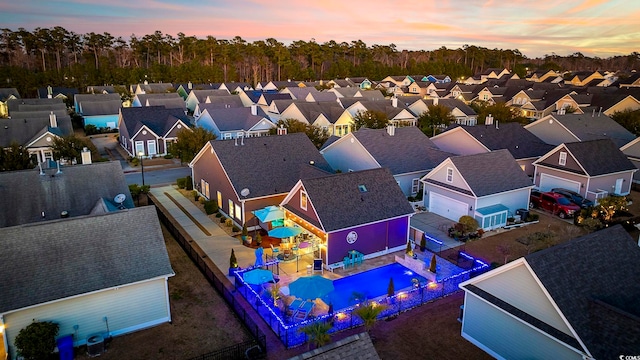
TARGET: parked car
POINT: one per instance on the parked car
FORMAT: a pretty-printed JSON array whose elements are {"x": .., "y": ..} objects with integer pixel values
[
  {"x": 555, "y": 203},
  {"x": 574, "y": 197}
]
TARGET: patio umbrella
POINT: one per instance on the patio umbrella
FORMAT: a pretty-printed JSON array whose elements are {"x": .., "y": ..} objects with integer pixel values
[
  {"x": 311, "y": 287},
  {"x": 269, "y": 213},
  {"x": 257, "y": 276},
  {"x": 285, "y": 232}
]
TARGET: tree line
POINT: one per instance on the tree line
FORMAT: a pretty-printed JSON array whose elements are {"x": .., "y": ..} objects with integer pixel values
[{"x": 57, "y": 56}]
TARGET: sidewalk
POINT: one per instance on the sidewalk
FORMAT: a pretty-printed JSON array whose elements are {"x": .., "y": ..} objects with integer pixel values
[{"x": 214, "y": 242}]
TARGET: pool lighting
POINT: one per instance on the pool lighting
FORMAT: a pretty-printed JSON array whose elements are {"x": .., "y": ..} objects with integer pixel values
[
  {"x": 374, "y": 304},
  {"x": 402, "y": 295},
  {"x": 341, "y": 316},
  {"x": 432, "y": 285},
  {"x": 408, "y": 272}
]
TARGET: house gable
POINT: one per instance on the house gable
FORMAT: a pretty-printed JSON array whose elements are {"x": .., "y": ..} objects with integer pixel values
[
  {"x": 551, "y": 131},
  {"x": 348, "y": 154},
  {"x": 519, "y": 286},
  {"x": 294, "y": 201},
  {"x": 628, "y": 103},
  {"x": 459, "y": 142},
  {"x": 446, "y": 175},
  {"x": 561, "y": 158}
]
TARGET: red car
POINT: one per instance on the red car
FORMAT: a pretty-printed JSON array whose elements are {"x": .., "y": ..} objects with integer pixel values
[{"x": 554, "y": 203}]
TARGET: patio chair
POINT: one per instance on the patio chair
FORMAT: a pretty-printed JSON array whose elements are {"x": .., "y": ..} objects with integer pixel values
[
  {"x": 274, "y": 250},
  {"x": 303, "y": 311},
  {"x": 294, "y": 306}
]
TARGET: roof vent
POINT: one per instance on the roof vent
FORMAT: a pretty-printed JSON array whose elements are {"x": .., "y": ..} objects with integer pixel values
[
  {"x": 362, "y": 188},
  {"x": 64, "y": 214}
]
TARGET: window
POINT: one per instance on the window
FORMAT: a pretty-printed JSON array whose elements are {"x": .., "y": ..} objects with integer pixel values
[
  {"x": 449, "y": 175},
  {"x": 485, "y": 97},
  {"x": 204, "y": 188},
  {"x": 562, "y": 160},
  {"x": 139, "y": 148},
  {"x": 415, "y": 185},
  {"x": 238, "y": 213},
  {"x": 151, "y": 147},
  {"x": 219, "y": 194},
  {"x": 231, "y": 208},
  {"x": 227, "y": 136},
  {"x": 239, "y": 134},
  {"x": 303, "y": 200}
]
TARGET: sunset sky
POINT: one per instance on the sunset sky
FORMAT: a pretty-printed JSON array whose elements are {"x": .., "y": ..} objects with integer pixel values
[{"x": 594, "y": 27}]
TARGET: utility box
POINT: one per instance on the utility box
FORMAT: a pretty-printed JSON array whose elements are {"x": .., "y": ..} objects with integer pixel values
[{"x": 95, "y": 345}]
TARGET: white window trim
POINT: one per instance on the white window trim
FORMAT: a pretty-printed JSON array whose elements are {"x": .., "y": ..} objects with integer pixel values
[
  {"x": 226, "y": 136},
  {"x": 415, "y": 185},
  {"x": 562, "y": 158},
  {"x": 238, "y": 212},
  {"x": 231, "y": 208},
  {"x": 139, "y": 144},
  {"x": 303, "y": 204},
  {"x": 449, "y": 177},
  {"x": 152, "y": 144}
]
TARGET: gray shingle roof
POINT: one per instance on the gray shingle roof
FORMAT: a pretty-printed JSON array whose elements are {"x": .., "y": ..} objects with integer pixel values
[
  {"x": 324, "y": 96},
  {"x": 460, "y": 105},
  {"x": 594, "y": 281},
  {"x": 80, "y": 98},
  {"x": 202, "y": 95},
  {"x": 521, "y": 143},
  {"x": 491, "y": 173},
  {"x": 6, "y": 92},
  {"x": 169, "y": 103},
  {"x": 407, "y": 151},
  {"x": 24, "y": 104},
  {"x": 238, "y": 118},
  {"x": 62, "y": 258},
  {"x": 156, "y": 118},
  {"x": 599, "y": 157},
  {"x": 94, "y": 108},
  {"x": 23, "y": 130},
  {"x": 340, "y": 204},
  {"x": 269, "y": 165},
  {"x": 221, "y": 101},
  {"x": 587, "y": 127},
  {"x": 354, "y": 347},
  {"x": 26, "y": 194}
]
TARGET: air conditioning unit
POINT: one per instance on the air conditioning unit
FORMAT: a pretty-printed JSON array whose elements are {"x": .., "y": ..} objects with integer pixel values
[{"x": 95, "y": 345}]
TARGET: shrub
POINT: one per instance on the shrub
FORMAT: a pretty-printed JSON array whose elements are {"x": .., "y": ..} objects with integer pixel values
[
  {"x": 433, "y": 264},
  {"x": 211, "y": 207},
  {"x": 533, "y": 217},
  {"x": 168, "y": 156},
  {"x": 218, "y": 215},
  {"x": 223, "y": 220},
  {"x": 202, "y": 200},
  {"x": 391, "y": 289},
  {"x": 181, "y": 183},
  {"x": 258, "y": 239},
  {"x": 245, "y": 232},
  {"x": 468, "y": 223},
  {"x": 188, "y": 183},
  {"x": 91, "y": 130},
  {"x": 37, "y": 340},
  {"x": 410, "y": 199},
  {"x": 235, "y": 228},
  {"x": 233, "y": 262},
  {"x": 228, "y": 222},
  {"x": 423, "y": 243},
  {"x": 409, "y": 251},
  {"x": 135, "y": 161}
]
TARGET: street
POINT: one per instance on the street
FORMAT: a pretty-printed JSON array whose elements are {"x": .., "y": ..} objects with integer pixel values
[{"x": 157, "y": 177}]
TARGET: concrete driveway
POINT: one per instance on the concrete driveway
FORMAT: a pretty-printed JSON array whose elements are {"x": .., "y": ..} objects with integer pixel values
[{"x": 435, "y": 226}]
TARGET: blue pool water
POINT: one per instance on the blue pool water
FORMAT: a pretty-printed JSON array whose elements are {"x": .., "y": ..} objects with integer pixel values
[{"x": 371, "y": 284}]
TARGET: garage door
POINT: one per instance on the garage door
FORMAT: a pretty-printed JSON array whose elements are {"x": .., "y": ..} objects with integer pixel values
[
  {"x": 548, "y": 182},
  {"x": 447, "y": 207}
]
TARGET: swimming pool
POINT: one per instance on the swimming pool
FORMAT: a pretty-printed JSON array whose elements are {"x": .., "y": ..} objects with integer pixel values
[{"x": 370, "y": 284}]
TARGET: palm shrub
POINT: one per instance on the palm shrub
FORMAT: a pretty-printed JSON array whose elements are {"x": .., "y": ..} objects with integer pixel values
[
  {"x": 318, "y": 333},
  {"x": 369, "y": 312}
]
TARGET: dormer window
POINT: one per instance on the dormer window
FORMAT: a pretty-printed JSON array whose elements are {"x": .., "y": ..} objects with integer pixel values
[
  {"x": 303, "y": 200},
  {"x": 562, "y": 160},
  {"x": 449, "y": 175}
]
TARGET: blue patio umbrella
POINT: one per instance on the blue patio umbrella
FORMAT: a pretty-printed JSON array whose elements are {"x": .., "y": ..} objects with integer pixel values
[
  {"x": 285, "y": 232},
  {"x": 257, "y": 276},
  {"x": 311, "y": 287},
  {"x": 269, "y": 213}
]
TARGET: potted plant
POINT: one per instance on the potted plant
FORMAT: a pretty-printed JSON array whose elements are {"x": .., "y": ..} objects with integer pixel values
[
  {"x": 259, "y": 239},
  {"x": 233, "y": 263},
  {"x": 245, "y": 232}
]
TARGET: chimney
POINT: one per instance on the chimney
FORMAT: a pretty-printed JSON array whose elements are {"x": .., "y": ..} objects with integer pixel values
[
  {"x": 190, "y": 85},
  {"x": 86, "y": 156},
  {"x": 488, "y": 120},
  {"x": 593, "y": 114},
  {"x": 53, "y": 120},
  {"x": 394, "y": 102},
  {"x": 282, "y": 130},
  {"x": 435, "y": 101},
  {"x": 146, "y": 82},
  {"x": 242, "y": 140},
  {"x": 600, "y": 111},
  {"x": 391, "y": 129},
  {"x": 497, "y": 125},
  {"x": 49, "y": 92},
  {"x": 254, "y": 109}
]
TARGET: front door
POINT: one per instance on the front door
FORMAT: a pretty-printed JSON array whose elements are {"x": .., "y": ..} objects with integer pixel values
[{"x": 618, "y": 188}]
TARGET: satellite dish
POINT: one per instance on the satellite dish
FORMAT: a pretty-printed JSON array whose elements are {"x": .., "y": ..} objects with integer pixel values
[
  {"x": 120, "y": 198},
  {"x": 245, "y": 192}
]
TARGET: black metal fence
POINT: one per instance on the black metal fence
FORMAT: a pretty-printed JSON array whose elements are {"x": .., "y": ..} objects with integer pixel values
[{"x": 255, "y": 348}]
